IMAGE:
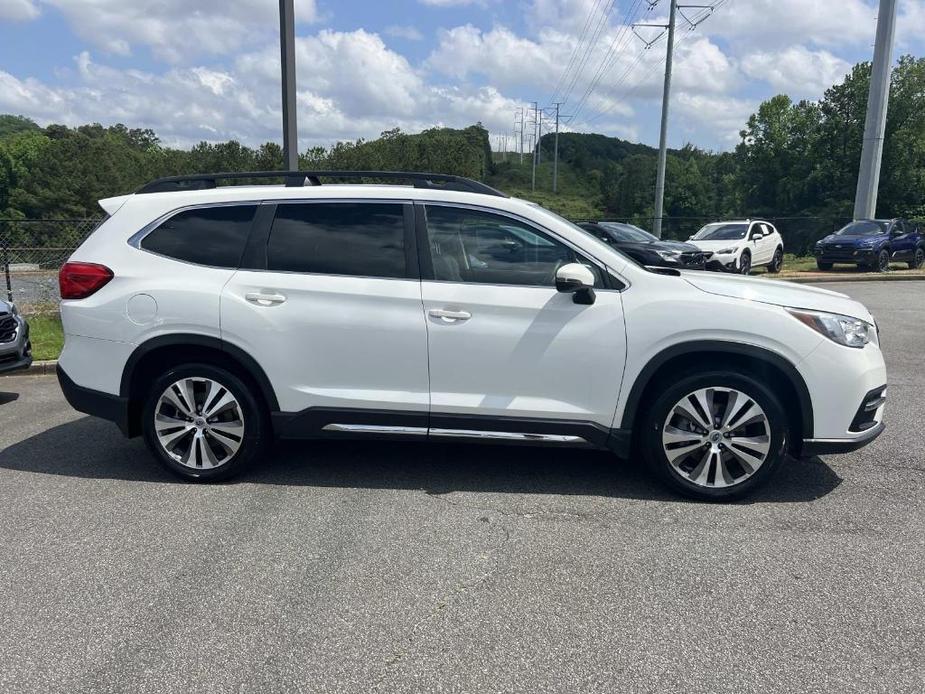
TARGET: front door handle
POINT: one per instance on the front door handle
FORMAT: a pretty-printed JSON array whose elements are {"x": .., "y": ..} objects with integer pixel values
[
  {"x": 448, "y": 316},
  {"x": 262, "y": 299}
]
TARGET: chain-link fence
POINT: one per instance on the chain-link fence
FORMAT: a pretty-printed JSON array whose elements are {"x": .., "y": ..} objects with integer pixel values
[{"x": 32, "y": 250}]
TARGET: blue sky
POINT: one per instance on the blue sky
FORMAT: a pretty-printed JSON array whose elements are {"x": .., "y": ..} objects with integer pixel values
[{"x": 209, "y": 69}]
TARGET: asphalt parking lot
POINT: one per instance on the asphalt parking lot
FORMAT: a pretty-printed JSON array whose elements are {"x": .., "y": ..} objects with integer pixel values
[{"x": 359, "y": 567}]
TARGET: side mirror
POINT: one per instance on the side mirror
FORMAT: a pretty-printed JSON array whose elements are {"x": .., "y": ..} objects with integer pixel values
[{"x": 576, "y": 279}]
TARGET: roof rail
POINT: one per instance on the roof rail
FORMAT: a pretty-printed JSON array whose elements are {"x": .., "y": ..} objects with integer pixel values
[{"x": 297, "y": 179}]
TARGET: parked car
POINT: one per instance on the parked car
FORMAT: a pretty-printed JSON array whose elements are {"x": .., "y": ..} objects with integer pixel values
[
  {"x": 646, "y": 248},
  {"x": 15, "y": 348},
  {"x": 212, "y": 320},
  {"x": 872, "y": 244},
  {"x": 742, "y": 245}
]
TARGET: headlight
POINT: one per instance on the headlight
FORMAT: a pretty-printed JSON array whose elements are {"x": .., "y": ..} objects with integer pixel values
[
  {"x": 845, "y": 330},
  {"x": 669, "y": 255},
  {"x": 725, "y": 251}
]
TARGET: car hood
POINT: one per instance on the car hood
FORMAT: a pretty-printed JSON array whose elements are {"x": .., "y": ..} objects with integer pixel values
[
  {"x": 778, "y": 293},
  {"x": 716, "y": 245},
  {"x": 853, "y": 240},
  {"x": 660, "y": 246}
]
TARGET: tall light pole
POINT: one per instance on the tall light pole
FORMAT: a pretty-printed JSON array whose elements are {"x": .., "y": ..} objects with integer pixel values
[
  {"x": 865, "y": 198},
  {"x": 663, "y": 135},
  {"x": 287, "y": 61}
]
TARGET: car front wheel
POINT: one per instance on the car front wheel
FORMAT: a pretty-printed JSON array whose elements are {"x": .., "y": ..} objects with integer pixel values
[
  {"x": 203, "y": 423},
  {"x": 883, "y": 261},
  {"x": 715, "y": 436},
  {"x": 745, "y": 263}
]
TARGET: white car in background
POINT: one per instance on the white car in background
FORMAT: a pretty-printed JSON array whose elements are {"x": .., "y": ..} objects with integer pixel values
[{"x": 742, "y": 245}]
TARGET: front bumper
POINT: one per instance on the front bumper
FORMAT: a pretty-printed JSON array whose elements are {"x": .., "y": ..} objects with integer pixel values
[
  {"x": 846, "y": 255},
  {"x": 16, "y": 355},
  {"x": 813, "y": 447},
  {"x": 95, "y": 403}
]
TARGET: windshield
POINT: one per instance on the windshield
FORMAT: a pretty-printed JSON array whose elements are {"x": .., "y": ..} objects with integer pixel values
[
  {"x": 869, "y": 228},
  {"x": 721, "y": 231},
  {"x": 626, "y": 232}
]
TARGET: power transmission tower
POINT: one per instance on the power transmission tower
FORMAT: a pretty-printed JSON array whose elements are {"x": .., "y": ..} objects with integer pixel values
[
  {"x": 663, "y": 133},
  {"x": 287, "y": 60},
  {"x": 666, "y": 98},
  {"x": 865, "y": 199},
  {"x": 555, "y": 158},
  {"x": 519, "y": 120}
]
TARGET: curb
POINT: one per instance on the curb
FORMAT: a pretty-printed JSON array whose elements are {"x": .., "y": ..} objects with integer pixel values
[
  {"x": 873, "y": 277},
  {"x": 38, "y": 368}
]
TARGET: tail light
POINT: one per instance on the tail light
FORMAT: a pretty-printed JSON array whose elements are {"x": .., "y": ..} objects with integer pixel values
[{"x": 80, "y": 280}]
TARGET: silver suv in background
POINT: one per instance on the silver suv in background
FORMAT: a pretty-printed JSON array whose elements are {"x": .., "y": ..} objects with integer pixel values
[{"x": 15, "y": 348}]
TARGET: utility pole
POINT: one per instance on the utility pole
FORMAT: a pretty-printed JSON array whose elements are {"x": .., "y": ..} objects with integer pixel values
[
  {"x": 535, "y": 123},
  {"x": 555, "y": 158},
  {"x": 520, "y": 121},
  {"x": 663, "y": 134},
  {"x": 539, "y": 139},
  {"x": 865, "y": 199},
  {"x": 287, "y": 61}
]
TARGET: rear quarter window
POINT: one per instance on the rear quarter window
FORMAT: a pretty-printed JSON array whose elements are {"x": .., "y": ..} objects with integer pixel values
[{"x": 213, "y": 236}]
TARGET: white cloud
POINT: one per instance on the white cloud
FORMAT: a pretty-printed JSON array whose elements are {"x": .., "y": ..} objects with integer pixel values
[
  {"x": 350, "y": 85},
  {"x": 796, "y": 70},
  {"x": 409, "y": 33},
  {"x": 176, "y": 29},
  {"x": 18, "y": 10},
  {"x": 767, "y": 23}
]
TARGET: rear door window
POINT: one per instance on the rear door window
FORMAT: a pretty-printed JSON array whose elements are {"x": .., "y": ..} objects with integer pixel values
[
  {"x": 213, "y": 236},
  {"x": 339, "y": 238}
]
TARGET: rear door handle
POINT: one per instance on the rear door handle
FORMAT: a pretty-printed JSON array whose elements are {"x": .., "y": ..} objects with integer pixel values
[
  {"x": 448, "y": 316},
  {"x": 262, "y": 299}
]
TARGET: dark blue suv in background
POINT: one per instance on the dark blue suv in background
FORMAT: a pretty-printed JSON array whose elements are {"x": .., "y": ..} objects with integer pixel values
[{"x": 873, "y": 244}]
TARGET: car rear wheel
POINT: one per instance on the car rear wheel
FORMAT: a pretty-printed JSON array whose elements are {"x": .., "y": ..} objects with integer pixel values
[
  {"x": 918, "y": 258},
  {"x": 745, "y": 263},
  {"x": 715, "y": 436},
  {"x": 203, "y": 423},
  {"x": 823, "y": 266},
  {"x": 777, "y": 262}
]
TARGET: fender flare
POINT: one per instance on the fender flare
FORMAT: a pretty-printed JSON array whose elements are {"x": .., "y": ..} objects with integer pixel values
[
  {"x": 772, "y": 358},
  {"x": 247, "y": 362}
]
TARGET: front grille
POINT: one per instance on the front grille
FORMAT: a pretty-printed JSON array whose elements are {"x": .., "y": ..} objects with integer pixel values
[
  {"x": 846, "y": 252},
  {"x": 7, "y": 328},
  {"x": 692, "y": 258},
  {"x": 867, "y": 412}
]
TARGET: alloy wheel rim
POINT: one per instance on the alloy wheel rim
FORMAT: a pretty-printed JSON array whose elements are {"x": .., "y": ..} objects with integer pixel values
[
  {"x": 884, "y": 261},
  {"x": 746, "y": 264},
  {"x": 716, "y": 437},
  {"x": 199, "y": 423},
  {"x": 919, "y": 258}
]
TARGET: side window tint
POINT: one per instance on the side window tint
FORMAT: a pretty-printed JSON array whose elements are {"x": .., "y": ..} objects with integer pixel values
[
  {"x": 339, "y": 238},
  {"x": 206, "y": 236},
  {"x": 480, "y": 247}
]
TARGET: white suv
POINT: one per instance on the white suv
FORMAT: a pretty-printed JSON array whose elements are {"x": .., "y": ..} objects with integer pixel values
[
  {"x": 742, "y": 245},
  {"x": 212, "y": 320}
]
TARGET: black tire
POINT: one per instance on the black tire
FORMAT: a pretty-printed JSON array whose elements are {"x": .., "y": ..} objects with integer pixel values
[
  {"x": 825, "y": 267},
  {"x": 256, "y": 428},
  {"x": 918, "y": 258},
  {"x": 777, "y": 262},
  {"x": 656, "y": 416},
  {"x": 745, "y": 263},
  {"x": 883, "y": 261}
]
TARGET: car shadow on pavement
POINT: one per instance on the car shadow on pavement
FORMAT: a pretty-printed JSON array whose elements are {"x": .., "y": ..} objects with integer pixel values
[
  {"x": 94, "y": 449},
  {"x": 6, "y": 398}
]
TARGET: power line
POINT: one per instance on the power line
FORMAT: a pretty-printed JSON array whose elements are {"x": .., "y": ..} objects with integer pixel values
[
  {"x": 576, "y": 49},
  {"x": 591, "y": 43}
]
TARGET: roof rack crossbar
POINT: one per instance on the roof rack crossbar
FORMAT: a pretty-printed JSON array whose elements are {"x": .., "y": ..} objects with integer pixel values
[{"x": 298, "y": 179}]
